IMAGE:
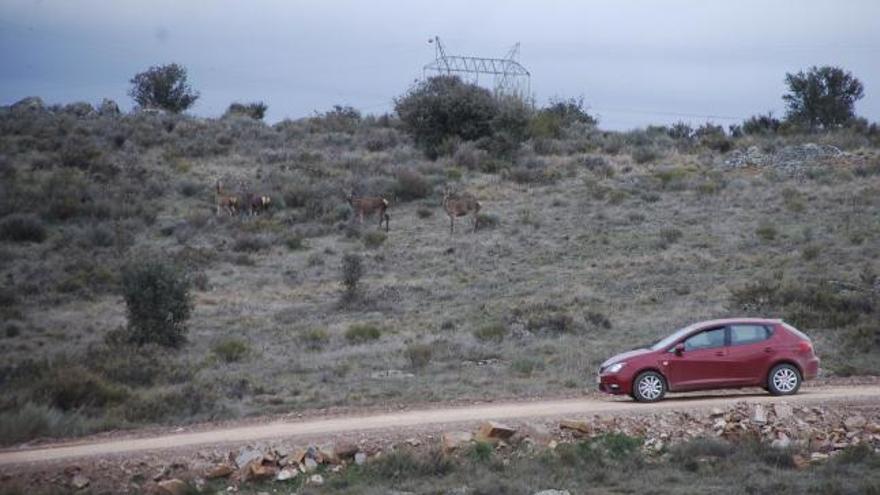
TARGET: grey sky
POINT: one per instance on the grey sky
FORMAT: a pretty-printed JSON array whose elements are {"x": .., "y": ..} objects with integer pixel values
[{"x": 635, "y": 62}]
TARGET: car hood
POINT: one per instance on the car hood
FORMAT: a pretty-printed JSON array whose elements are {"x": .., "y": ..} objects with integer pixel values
[{"x": 623, "y": 356}]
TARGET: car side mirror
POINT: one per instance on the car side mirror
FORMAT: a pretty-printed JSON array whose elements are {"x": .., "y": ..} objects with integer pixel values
[{"x": 679, "y": 349}]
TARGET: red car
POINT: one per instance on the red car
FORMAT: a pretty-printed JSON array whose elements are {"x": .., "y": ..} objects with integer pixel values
[{"x": 731, "y": 353}]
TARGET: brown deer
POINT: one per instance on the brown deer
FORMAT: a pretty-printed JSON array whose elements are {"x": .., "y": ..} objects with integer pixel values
[
  {"x": 259, "y": 204},
  {"x": 367, "y": 205},
  {"x": 459, "y": 205},
  {"x": 226, "y": 202}
]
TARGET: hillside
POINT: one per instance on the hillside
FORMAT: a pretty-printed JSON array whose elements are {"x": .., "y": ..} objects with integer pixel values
[{"x": 587, "y": 244}]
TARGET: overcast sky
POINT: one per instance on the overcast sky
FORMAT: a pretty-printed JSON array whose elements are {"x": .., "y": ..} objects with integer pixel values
[{"x": 634, "y": 62}]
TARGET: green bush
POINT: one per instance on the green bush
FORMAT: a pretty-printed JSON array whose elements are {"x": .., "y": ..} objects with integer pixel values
[
  {"x": 419, "y": 355},
  {"x": 315, "y": 338},
  {"x": 493, "y": 332},
  {"x": 487, "y": 221},
  {"x": 158, "y": 302},
  {"x": 362, "y": 333},
  {"x": 374, "y": 238},
  {"x": 231, "y": 350},
  {"x": 352, "y": 270},
  {"x": 445, "y": 107},
  {"x": 40, "y": 421},
  {"x": 410, "y": 185},
  {"x": 766, "y": 232},
  {"x": 256, "y": 110},
  {"x": 20, "y": 227},
  {"x": 72, "y": 387}
]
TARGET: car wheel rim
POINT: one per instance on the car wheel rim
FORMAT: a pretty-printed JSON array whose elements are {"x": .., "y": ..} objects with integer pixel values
[
  {"x": 650, "y": 387},
  {"x": 785, "y": 380}
]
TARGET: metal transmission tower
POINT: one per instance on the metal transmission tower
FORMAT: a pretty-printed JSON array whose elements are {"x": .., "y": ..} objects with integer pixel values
[{"x": 508, "y": 76}]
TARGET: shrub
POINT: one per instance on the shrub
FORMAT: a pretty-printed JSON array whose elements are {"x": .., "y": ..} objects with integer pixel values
[
  {"x": 410, "y": 185},
  {"x": 645, "y": 154},
  {"x": 256, "y": 110},
  {"x": 713, "y": 137},
  {"x": 352, "y": 270},
  {"x": 135, "y": 366},
  {"x": 79, "y": 151},
  {"x": 374, "y": 238},
  {"x": 811, "y": 252},
  {"x": 163, "y": 86},
  {"x": 72, "y": 386},
  {"x": 525, "y": 366},
  {"x": 486, "y": 221},
  {"x": 20, "y": 227},
  {"x": 597, "y": 319},
  {"x": 362, "y": 333},
  {"x": 493, "y": 332},
  {"x": 36, "y": 420},
  {"x": 250, "y": 243},
  {"x": 158, "y": 302},
  {"x": 231, "y": 350},
  {"x": 766, "y": 232},
  {"x": 294, "y": 242},
  {"x": 761, "y": 125},
  {"x": 423, "y": 212},
  {"x": 315, "y": 338},
  {"x": 419, "y": 355},
  {"x": 670, "y": 235},
  {"x": 445, "y": 107}
]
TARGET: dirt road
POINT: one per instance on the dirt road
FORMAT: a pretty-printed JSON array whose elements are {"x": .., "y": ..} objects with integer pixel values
[{"x": 430, "y": 419}]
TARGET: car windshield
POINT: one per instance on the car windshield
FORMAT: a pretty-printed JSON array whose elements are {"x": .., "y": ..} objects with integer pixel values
[{"x": 668, "y": 341}]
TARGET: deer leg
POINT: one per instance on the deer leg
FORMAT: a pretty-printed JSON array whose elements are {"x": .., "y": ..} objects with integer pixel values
[
  {"x": 387, "y": 220},
  {"x": 451, "y": 224},
  {"x": 475, "y": 222}
]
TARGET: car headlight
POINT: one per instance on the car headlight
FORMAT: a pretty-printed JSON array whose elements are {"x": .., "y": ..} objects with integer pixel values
[{"x": 614, "y": 368}]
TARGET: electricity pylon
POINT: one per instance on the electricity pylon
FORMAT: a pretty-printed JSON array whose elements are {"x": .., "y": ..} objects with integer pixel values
[{"x": 508, "y": 76}]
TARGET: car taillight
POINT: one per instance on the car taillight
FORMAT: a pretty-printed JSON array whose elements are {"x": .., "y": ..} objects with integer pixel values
[{"x": 805, "y": 346}]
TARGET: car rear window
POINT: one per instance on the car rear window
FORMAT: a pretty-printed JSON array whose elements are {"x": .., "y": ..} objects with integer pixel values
[{"x": 748, "y": 334}]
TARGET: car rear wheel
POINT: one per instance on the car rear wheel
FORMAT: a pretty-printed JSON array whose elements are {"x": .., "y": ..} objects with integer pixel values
[
  {"x": 784, "y": 379},
  {"x": 649, "y": 386}
]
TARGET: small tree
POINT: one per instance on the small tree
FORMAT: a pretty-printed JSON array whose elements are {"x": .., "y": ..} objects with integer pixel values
[
  {"x": 822, "y": 96},
  {"x": 352, "y": 271},
  {"x": 163, "y": 86},
  {"x": 443, "y": 108},
  {"x": 158, "y": 302}
]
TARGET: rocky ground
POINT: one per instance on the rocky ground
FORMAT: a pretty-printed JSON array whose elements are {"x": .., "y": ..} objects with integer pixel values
[{"x": 802, "y": 435}]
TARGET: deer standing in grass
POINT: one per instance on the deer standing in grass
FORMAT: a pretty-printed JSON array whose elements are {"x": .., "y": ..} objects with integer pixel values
[
  {"x": 459, "y": 205},
  {"x": 259, "y": 204},
  {"x": 368, "y": 205},
  {"x": 225, "y": 202}
]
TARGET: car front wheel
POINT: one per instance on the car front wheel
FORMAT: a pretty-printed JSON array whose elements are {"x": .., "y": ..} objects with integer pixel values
[
  {"x": 649, "y": 386},
  {"x": 784, "y": 379}
]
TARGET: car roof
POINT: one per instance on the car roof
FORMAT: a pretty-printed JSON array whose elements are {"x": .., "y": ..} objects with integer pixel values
[{"x": 731, "y": 321}]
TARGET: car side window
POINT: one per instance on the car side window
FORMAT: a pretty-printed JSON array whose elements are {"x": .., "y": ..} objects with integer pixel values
[
  {"x": 747, "y": 334},
  {"x": 706, "y": 339}
]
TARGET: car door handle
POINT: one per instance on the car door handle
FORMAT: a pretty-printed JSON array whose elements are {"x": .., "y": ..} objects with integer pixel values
[
  {"x": 719, "y": 353},
  {"x": 768, "y": 349}
]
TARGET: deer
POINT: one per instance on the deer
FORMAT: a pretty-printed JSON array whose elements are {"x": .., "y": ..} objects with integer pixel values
[
  {"x": 367, "y": 205},
  {"x": 226, "y": 202},
  {"x": 259, "y": 204},
  {"x": 459, "y": 205}
]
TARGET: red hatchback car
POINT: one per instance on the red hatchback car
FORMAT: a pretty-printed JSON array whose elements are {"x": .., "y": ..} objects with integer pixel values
[{"x": 731, "y": 353}]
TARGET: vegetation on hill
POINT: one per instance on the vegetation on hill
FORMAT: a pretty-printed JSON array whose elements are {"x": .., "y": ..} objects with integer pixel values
[{"x": 590, "y": 241}]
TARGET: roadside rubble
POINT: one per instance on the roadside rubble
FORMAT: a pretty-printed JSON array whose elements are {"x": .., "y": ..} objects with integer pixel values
[{"x": 809, "y": 434}]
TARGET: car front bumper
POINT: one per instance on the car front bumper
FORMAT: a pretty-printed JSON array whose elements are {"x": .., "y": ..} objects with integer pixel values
[{"x": 612, "y": 384}]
